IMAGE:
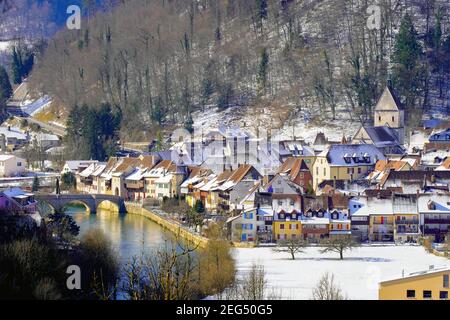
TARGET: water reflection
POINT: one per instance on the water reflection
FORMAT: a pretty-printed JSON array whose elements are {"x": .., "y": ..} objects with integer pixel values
[{"x": 130, "y": 234}]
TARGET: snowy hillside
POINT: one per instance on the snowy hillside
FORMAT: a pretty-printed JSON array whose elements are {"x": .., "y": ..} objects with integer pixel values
[{"x": 357, "y": 275}]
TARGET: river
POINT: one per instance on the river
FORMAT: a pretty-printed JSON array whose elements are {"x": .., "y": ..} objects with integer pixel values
[{"x": 130, "y": 234}]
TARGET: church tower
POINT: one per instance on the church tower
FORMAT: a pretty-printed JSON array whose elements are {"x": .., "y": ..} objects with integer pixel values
[{"x": 389, "y": 112}]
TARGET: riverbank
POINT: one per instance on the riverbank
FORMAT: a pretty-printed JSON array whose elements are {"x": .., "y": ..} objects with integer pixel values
[{"x": 171, "y": 226}]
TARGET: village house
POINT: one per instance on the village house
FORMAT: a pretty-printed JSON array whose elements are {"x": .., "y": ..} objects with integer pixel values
[
  {"x": 340, "y": 224},
  {"x": 296, "y": 149},
  {"x": 233, "y": 190},
  {"x": 434, "y": 210},
  {"x": 383, "y": 167},
  {"x": 15, "y": 200},
  {"x": 76, "y": 166},
  {"x": 298, "y": 172},
  {"x": 134, "y": 182},
  {"x": 315, "y": 225},
  {"x": 438, "y": 140},
  {"x": 411, "y": 182},
  {"x": 245, "y": 227},
  {"x": 45, "y": 140},
  {"x": 105, "y": 179},
  {"x": 431, "y": 284},
  {"x": 189, "y": 188},
  {"x": 360, "y": 218},
  {"x": 345, "y": 162},
  {"x": 287, "y": 225},
  {"x": 445, "y": 166},
  {"x": 88, "y": 180},
  {"x": 406, "y": 218},
  {"x": 165, "y": 180},
  {"x": 11, "y": 165},
  {"x": 12, "y": 138}
]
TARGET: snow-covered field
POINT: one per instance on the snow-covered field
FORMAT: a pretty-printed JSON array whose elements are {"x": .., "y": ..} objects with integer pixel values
[{"x": 357, "y": 275}]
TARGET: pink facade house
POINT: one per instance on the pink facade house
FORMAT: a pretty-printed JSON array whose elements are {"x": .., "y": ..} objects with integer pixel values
[{"x": 15, "y": 200}]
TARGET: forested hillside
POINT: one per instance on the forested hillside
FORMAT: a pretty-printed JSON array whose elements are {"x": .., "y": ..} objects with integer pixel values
[{"x": 156, "y": 62}]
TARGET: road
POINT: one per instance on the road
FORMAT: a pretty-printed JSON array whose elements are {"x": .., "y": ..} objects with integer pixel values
[
  {"x": 15, "y": 109},
  {"x": 55, "y": 129}
]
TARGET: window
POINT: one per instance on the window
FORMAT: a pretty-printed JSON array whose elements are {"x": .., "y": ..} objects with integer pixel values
[
  {"x": 282, "y": 226},
  {"x": 443, "y": 295},
  {"x": 324, "y": 171},
  {"x": 292, "y": 203},
  {"x": 411, "y": 293},
  {"x": 317, "y": 170},
  {"x": 359, "y": 170},
  {"x": 427, "y": 294},
  {"x": 445, "y": 278},
  {"x": 379, "y": 118},
  {"x": 19, "y": 164},
  {"x": 393, "y": 119}
]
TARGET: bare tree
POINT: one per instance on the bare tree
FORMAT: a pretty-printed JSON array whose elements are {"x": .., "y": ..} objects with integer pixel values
[
  {"x": 291, "y": 246},
  {"x": 252, "y": 286},
  {"x": 327, "y": 289},
  {"x": 339, "y": 245}
]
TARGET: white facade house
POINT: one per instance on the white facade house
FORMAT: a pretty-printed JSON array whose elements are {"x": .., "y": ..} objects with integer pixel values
[
  {"x": 11, "y": 165},
  {"x": 76, "y": 166}
]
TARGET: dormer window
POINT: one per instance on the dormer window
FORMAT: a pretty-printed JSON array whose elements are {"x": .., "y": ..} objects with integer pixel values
[
  {"x": 355, "y": 158},
  {"x": 431, "y": 205},
  {"x": 347, "y": 158},
  {"x": 366, "y": 158}
]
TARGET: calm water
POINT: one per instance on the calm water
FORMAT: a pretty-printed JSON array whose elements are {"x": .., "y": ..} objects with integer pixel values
[{"x": 130, "y": 234}]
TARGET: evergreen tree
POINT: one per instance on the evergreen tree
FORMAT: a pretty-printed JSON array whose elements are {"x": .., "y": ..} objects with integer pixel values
[
  {"x": 262, "y": 73},
  {"x": 262, "y": 9},
  {"x": 406, "y": 60},
  {"x": 189, "y": 124},
  {"x": 199, "y": 208},
  {"x": 225, "y": 96},
  {"x": 35, "y": 186},
  {"x": 16, "y": 67},
  {"x": 5, "y": 86}
]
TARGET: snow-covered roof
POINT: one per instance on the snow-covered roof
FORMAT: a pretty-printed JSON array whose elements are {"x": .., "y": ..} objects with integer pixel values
[
  {"x": 315, "y": 220},
  {"x": 15, "y": 192},
  {"x": 164, "y": 179},
  {"x": 353, "y": 154},
  {"x": 420, "y": 273},
  {"x": 13, "y": 132},
  {"x": 136, "y": 175},
  {"x": 441, "y": 203},
  {"x": 6, "y": 157},
  {"x": 45, "y": 137},
  {"x": 74, "y": 164}
]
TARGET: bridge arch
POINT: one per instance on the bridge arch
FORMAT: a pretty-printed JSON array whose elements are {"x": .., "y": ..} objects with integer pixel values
[
  {"x": 59, "y": 201},
  {"x": 76, "y": 202},
  {"x": 107, "y": 205}
]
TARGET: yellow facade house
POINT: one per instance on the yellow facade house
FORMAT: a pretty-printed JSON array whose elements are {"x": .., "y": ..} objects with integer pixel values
[
  {"x": 432, "y": 284},
  {"x": 345, "y": 162}
]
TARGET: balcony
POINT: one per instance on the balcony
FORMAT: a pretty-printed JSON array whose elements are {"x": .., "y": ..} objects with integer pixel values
[
  {"x": 408, "y": 221},
  {"x": 407, "y": 230},
  {"x": 436, "y": 231},
  {"x": 383, "y": 223},
  {"x": 437, "y": 221},
  {"x": 225, "y": 196}
]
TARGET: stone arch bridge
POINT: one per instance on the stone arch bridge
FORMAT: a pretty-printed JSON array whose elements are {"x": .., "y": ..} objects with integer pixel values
[{"x": 91, "y": 201}]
